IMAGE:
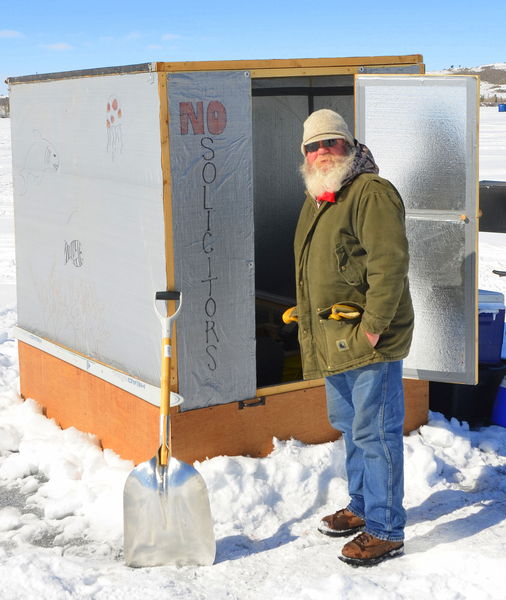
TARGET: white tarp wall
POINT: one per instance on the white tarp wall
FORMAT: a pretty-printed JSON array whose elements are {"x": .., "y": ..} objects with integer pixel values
[
  {"x": 89, "y": 216},
  {"x": 212, "y": 211}
]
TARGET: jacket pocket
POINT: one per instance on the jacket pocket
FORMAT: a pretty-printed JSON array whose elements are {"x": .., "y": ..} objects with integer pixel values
[
  {"x": 349, "y": 269},
  {"x": 345, "y": 342},
  {"x": 342, "y": 310}
]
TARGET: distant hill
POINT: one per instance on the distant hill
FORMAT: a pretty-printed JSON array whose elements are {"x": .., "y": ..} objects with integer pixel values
[{"x": 492, "y": 81}]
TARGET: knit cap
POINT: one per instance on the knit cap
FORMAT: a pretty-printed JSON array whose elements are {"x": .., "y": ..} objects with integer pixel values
[{"x": 325, "y": 124}]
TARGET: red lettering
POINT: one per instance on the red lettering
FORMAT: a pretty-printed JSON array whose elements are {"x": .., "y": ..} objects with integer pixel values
[
  {"x": 187, "y": 114},
  {"x": 216, "y": 117}
]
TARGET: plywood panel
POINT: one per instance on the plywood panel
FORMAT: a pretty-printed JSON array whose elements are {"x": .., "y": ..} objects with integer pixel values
[
  {"x": 129, "y": 425},
  {"x": 75, "y": 398}
]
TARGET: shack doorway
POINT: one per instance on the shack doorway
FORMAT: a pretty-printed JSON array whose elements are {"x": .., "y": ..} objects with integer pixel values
[{"x": 280, "y": 106}]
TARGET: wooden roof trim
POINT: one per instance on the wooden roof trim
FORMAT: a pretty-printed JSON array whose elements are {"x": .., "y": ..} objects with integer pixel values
[
  {"x": 287, "y": 63},
  {"x": 322, "y": 71}
]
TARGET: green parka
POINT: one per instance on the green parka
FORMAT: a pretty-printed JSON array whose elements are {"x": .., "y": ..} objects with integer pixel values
[{"x": 353, "y": 251}]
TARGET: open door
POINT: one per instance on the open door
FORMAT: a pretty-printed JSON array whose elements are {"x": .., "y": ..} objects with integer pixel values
[{"x": 423, "y": 133}]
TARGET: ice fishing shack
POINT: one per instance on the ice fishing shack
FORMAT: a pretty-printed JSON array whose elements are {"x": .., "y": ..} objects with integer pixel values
[{"x": 130, "y": 180}]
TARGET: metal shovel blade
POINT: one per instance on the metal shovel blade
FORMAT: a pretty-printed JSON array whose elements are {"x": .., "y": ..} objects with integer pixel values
[{"x": 167, "y": 517}]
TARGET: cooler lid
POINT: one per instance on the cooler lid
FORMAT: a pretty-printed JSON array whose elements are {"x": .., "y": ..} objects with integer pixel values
[{"x": 489, "y": 296}]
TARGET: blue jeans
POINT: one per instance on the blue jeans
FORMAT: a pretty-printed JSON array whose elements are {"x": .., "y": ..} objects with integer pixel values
[{"x": 367, "y": 406}]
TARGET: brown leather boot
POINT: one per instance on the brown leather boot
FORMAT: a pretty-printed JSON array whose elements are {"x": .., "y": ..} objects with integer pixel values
[
  {"x": 341, "y": 523},
  {"x": 366, "y": 550}
]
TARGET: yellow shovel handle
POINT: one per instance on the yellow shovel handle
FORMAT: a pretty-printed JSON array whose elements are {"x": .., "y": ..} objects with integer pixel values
[
  {"x": 166, "y": 321},
  {"x": 165, "y": 451}
]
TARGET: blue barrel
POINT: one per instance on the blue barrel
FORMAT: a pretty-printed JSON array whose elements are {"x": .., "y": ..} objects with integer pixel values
[
  {"x": 499, "y": 409},
  {"x": 502, "y": 107}
]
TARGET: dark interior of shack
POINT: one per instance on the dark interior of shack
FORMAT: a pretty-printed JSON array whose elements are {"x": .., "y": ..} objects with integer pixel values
[{"x": 280, "y": 106}]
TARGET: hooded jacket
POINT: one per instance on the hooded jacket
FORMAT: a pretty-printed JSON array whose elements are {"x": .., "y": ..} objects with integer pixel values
[{"x": 353, "y": 253}]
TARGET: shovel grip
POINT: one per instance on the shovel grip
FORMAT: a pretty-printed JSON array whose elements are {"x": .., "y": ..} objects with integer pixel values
[{"x": 167, "y": 295}]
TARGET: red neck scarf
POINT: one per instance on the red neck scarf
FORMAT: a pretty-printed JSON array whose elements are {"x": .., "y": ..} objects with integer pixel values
[{"x": 327, "y": 197}]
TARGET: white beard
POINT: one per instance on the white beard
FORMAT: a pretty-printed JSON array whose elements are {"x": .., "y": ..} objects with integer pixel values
[{"x": 319, "y": 181}]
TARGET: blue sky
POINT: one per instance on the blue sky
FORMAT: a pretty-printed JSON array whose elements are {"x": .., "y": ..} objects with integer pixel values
[{"x": 46, "y": 36}]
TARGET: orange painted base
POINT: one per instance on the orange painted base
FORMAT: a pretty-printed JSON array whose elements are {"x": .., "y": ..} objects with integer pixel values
[{"x": 130, "y": 426}]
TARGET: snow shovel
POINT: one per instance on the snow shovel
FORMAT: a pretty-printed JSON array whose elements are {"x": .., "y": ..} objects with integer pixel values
[{"x": 167, "y": 517}]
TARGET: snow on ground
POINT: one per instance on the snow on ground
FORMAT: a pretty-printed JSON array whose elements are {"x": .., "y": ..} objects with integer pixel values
[
  {"x": 61, "y": 495},
  {"x": 492, "y": 254},
  {"x": 492, "y": 144}
]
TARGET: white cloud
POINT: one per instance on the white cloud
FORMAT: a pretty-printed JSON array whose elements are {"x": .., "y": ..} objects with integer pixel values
[
  {"x": 10, "y": 33},
  {"x": 154, "y": 47},
  {"x": 171, "y": 36},
  {"x": 59, "y": 47},
  {"x": 133, "y": 35}
]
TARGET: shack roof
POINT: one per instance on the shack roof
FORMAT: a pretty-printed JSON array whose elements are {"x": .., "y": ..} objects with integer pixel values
[{"x": 278, "y": 67}]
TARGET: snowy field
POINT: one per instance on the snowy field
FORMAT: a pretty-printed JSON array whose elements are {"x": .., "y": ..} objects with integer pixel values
[{"x": 61, "y": 495}]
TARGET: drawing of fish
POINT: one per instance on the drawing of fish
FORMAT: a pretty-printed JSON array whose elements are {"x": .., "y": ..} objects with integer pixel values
[{"x": 41, "y": 159}]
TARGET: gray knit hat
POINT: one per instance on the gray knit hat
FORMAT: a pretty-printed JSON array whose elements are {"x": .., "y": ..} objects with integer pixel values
[{"x": 325, "y": 124}]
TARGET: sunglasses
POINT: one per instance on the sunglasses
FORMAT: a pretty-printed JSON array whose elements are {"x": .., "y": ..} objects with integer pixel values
[{"x": 313, "y": 146}]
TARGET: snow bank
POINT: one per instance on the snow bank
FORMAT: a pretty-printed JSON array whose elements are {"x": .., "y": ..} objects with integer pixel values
[{"x": 61, "y": 525}]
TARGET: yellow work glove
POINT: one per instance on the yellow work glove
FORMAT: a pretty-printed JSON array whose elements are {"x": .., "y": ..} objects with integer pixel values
[
  {"x": 290, "y": 316},
  {"x": 339, "y": 311},
  {"x": 342, "y": 311}
]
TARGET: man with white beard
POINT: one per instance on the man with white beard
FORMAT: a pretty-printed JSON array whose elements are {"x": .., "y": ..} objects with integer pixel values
[{"x": 355, "y": 326}]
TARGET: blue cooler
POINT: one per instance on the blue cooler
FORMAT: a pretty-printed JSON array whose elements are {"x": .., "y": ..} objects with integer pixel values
[
  {"x": 491, "y": 326},
  {"x": 503, "y": 353},
  {"x": 502, "y": 107},
  {"x": 499, "y": 409}
]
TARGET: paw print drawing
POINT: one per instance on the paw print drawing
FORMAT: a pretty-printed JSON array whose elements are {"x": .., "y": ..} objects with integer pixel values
[{"x": 113, "y": 122}]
